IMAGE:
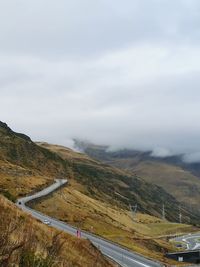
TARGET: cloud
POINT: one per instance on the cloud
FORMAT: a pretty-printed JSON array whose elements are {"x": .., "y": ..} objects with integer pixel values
[
  {"x": 160, "y": 152},
  {"x": 192, "y": 157},
  {"x": 126, "y": 74}
]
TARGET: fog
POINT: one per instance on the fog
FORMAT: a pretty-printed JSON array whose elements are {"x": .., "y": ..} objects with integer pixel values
[{"x": 121, "y": 73}]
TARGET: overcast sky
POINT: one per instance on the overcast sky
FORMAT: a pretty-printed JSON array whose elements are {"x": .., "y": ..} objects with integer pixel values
[{"x": 120, "y": 72}]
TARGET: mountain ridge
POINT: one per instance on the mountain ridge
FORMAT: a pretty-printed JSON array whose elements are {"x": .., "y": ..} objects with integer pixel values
[
  {"x": 41, "y": 165},
  {"x": 171, "y": 173},
  {"x": 122, "y": 186},
  {"x": 110, "y": 192}
]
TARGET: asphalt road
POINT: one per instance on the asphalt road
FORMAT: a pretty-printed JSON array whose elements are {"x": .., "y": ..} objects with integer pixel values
[
  {"x": 120, "y": 255},
  {"x": 192, "y": 241}
]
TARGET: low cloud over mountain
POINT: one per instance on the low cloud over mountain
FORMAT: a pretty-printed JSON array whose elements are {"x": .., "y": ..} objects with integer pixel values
[{"x": 124, "y": 74}]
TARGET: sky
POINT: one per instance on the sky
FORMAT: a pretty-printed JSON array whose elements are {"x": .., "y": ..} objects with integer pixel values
[{"x": 121, "y": 73}]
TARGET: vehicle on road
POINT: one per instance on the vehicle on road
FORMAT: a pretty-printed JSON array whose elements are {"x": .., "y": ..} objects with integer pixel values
[
  {"x": 179, "y": 245},
  {"x": 118, "y": 254},
  {"x": 47, "y": 222}
]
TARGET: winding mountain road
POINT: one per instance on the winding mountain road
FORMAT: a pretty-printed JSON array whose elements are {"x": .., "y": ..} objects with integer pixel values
[
  {"x": 192, "y": 241},
  {"x": 122, "y": 256}
]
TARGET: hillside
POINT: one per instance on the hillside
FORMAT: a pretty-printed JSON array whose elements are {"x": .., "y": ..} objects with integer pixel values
[
  {"x": 102, "y": 181},
  {"x": 181, "y": 183},
  {"x": 25, "y": 242},
  {"x": 24, "y": 166},
  {"x": 20, "y": 150},
  {"x": 144, "y": 234},
  {"x": 98, "y": 195},
  {"x": 171, "y": 173}
]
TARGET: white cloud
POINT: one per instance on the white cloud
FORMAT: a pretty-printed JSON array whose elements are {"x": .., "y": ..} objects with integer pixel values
[
  {"x": 192, "y": 157},
  {"x": 160, "y": 152},
  {"x": 120, "y": 74}
]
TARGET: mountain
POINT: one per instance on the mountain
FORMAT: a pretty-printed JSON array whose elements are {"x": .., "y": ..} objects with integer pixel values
[
  {"x": 178, "y": 178},
  {"x": 96, "y": 200},
  {"x": 26, "y": 166},
  {"x": 18, "y": 149},
  {"x": 111, "y": 184}
]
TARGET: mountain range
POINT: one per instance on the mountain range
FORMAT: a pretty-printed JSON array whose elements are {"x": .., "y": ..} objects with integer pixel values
[
  {"x": 178, "y": 178},
  {"x": 107, "y": 183}
]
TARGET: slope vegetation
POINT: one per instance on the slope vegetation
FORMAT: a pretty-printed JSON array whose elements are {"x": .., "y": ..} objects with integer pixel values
[
  {"x": 94, "y": 188},
  {"x": 171, "y": 173},
  {"x": 121, "y": 188},
  {"x": 20, "y": 150},
  {"x": 24, "y": 166},
  {"x": 25, "y": 242},
  {"x": 142, "y": 233}
]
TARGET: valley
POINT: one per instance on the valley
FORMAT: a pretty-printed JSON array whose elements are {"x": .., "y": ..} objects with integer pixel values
[
  {"x": 144, "y": 234},
  {"x": 179, "y": 179},
  {"x": 97, "y": 197}
]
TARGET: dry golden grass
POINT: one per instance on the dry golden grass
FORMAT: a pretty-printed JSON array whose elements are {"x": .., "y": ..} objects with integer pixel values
[
  {"x": 73, "y": 156},
  {"x": 32, "y": 235},
  {"x": 65, "y": 152},
  {"x": 73, "y": 205},
  {"x": 20, "y": 181},
  {"x": 175, "y": 180},
  {"x": 145, "y": 235}
]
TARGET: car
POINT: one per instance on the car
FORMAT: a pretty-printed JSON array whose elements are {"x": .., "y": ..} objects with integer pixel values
[
  {"x": 179, "y": 245},
  {"x": 47, "y": 222}
]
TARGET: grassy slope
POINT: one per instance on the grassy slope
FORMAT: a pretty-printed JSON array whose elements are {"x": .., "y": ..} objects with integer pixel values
[
  {"x": 16, "y": 181},
  {"x": 167, "y": 173},
  {"x": 24, "y": 168},
  {"x": 182, "y": 184},
  {"x": 146, "y": 234},
  {"x": 34, "y": 238},
  {"x": 118, "y": 186},
  {"x": 75, "y": 205},
  {"x": 20, "y": 150}
]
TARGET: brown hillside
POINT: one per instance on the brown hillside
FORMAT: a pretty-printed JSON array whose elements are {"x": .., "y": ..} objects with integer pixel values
[
  {"x": 102, "y": 181},
  {"x": 170, "y": 173},
  {"x": 25, "y": 242}
]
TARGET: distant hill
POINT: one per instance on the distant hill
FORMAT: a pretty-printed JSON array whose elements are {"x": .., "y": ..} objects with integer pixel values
[{"x": 180, "y": 179}]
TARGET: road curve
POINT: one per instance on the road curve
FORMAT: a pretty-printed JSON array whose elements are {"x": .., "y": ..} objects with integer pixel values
[
  {"x": 120, "y": 255},
  {"x": 192, "y": 241}
]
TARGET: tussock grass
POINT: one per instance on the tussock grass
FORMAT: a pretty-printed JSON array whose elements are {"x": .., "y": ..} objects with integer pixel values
[
  {"x": 19, "y": 180},
  {"x": 24, "y": 240},
  {"x": 146, "y": 234},
  {"x": 175, "y": 180}
]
